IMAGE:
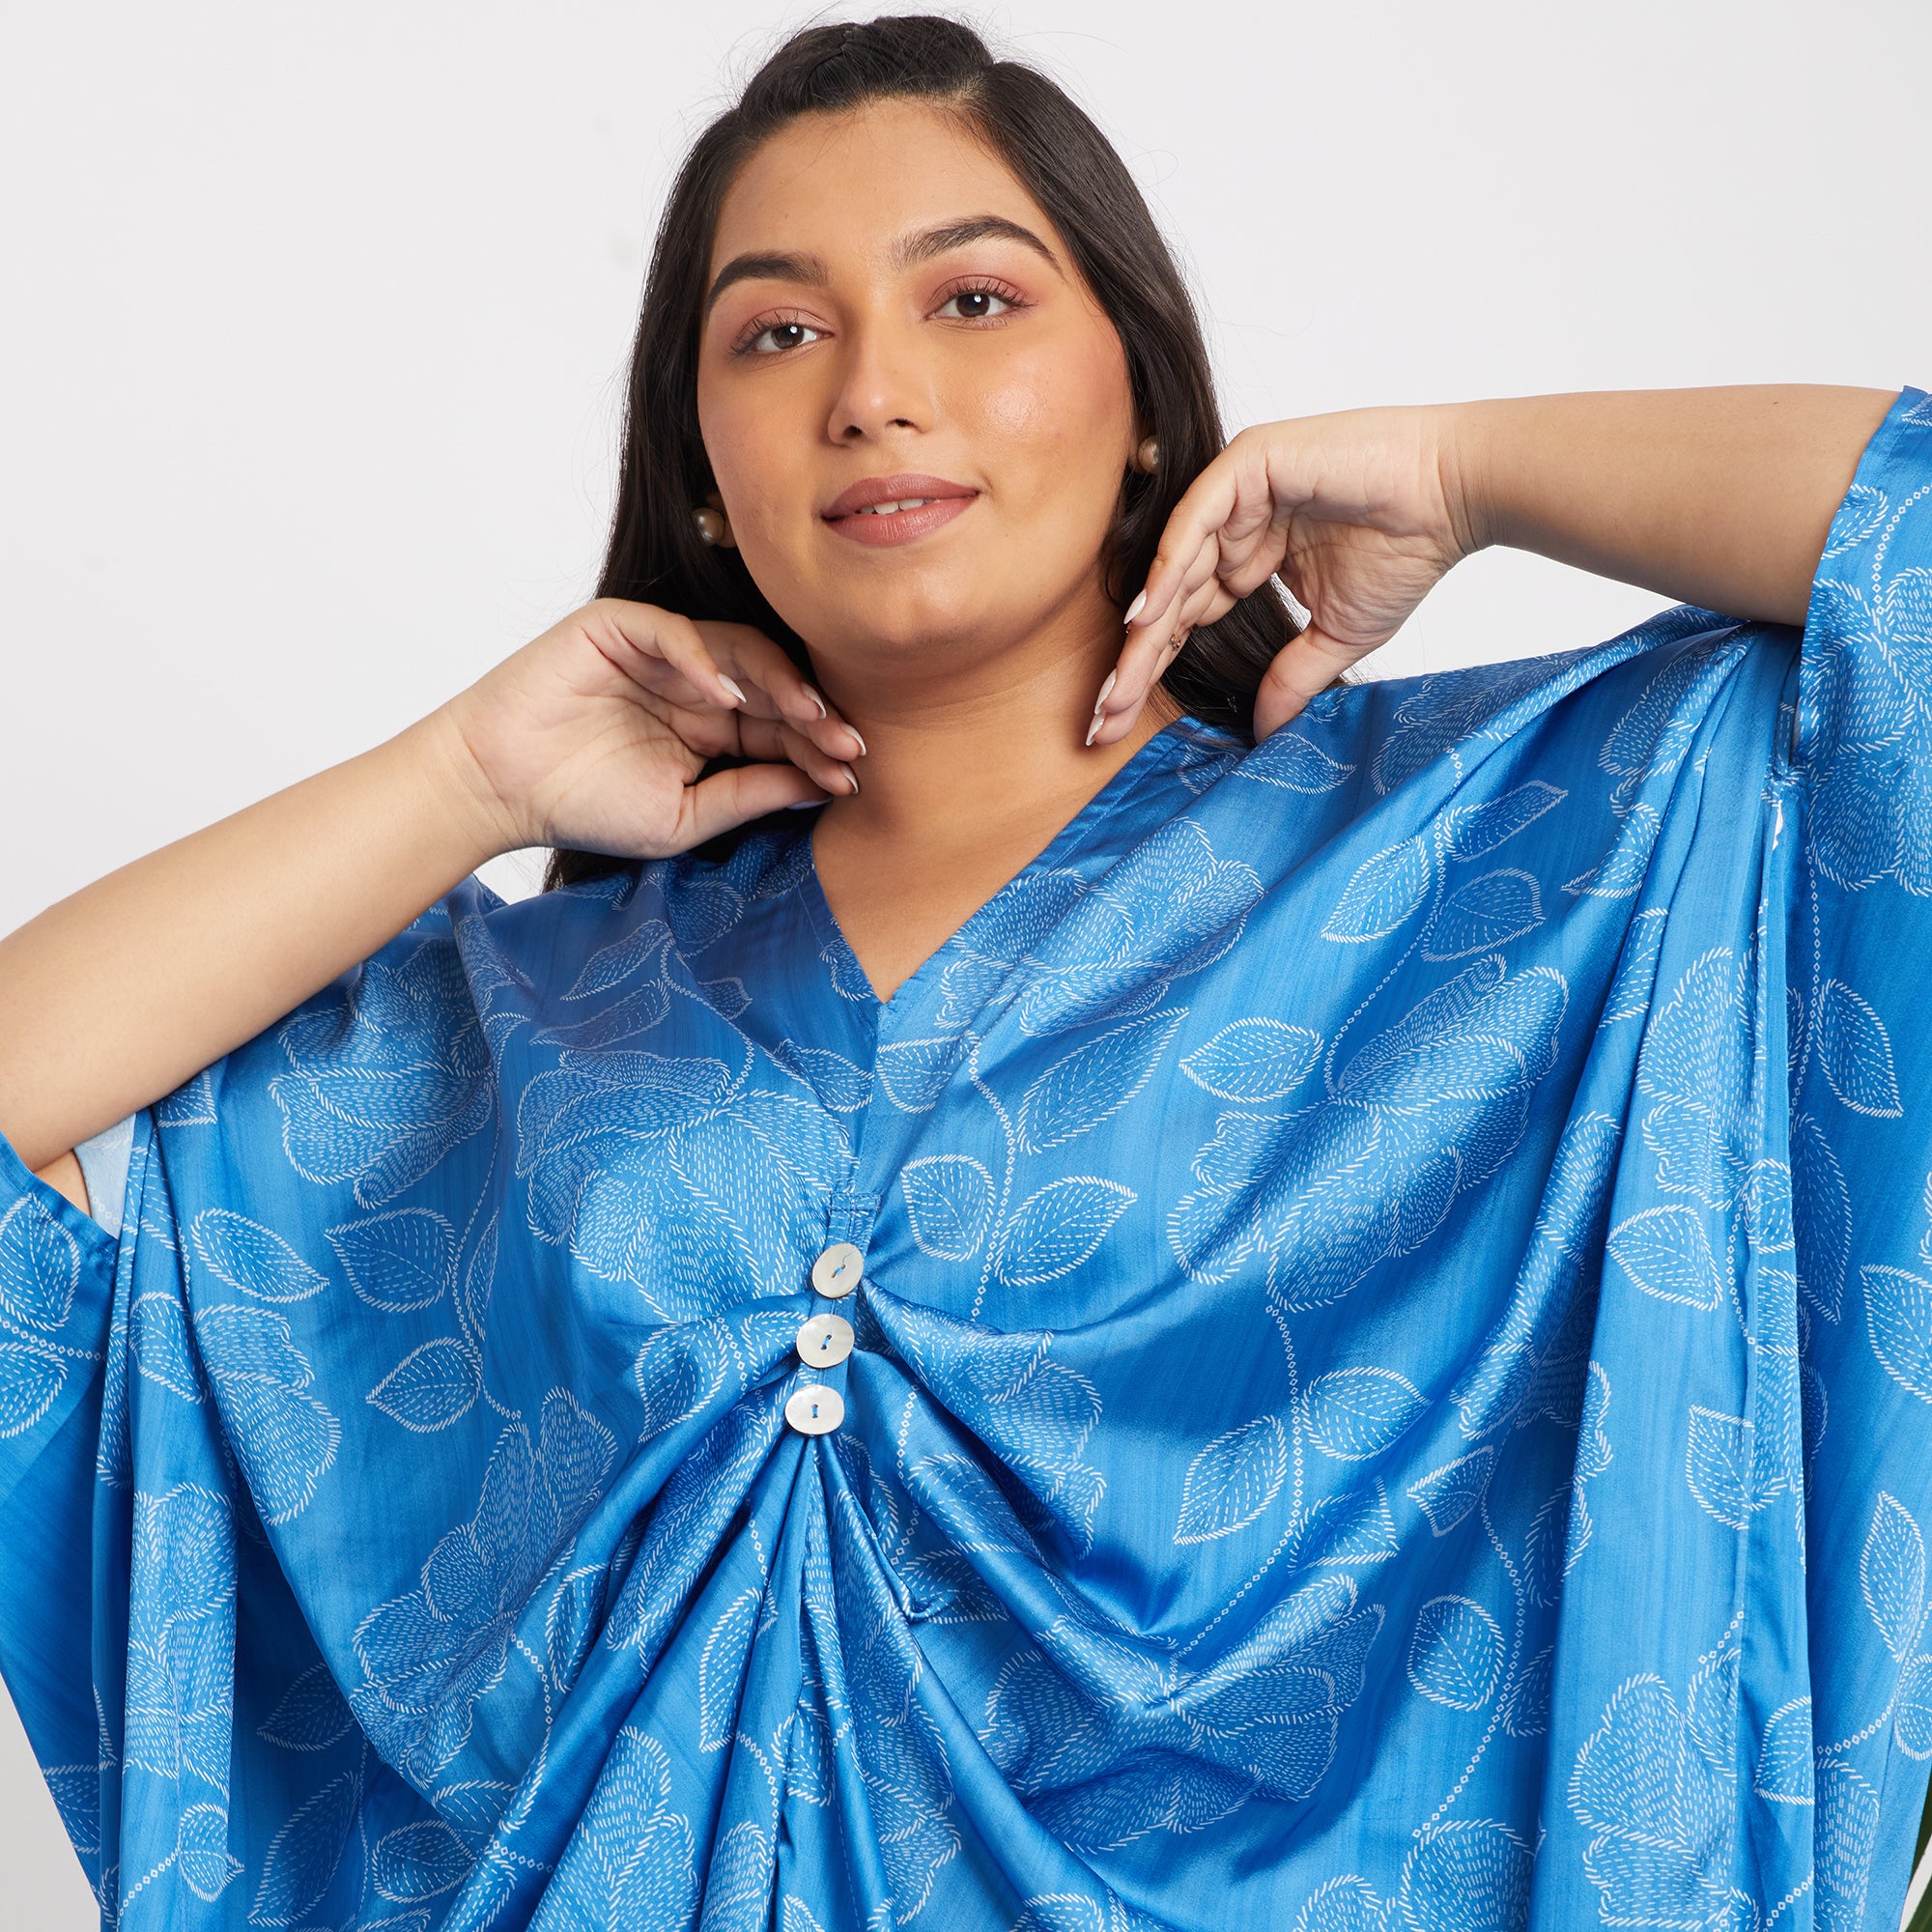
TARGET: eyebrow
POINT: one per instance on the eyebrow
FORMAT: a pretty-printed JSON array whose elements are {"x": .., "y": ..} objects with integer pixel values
[{"x": 923, "y": 246}]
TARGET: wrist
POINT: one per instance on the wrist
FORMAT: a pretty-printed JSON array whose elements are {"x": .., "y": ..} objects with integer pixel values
[
  {"x": 1465, "y": 461},
  {"x": 479, "y": 821}
]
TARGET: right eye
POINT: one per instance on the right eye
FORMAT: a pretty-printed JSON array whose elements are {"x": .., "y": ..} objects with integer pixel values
[{"x": 777, "y": 336}]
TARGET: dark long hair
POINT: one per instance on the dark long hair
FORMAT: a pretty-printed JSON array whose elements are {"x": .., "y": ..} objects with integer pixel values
[{"x": 1070, "y": 169}]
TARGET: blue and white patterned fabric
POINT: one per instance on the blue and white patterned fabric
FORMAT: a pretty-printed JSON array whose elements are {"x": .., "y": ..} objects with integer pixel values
[{"x": 1393, "y": 1382}]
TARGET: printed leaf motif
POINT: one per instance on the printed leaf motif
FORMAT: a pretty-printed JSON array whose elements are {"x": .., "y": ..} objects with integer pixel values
[
  {"x": 1892, "y": 1574},
  {"x": 720, "y": 1668},
  {"x": 1253, "y": 1060},
  {"x": 252, "y": 1258},
  {"x": 159, "y": 1335},
  {"x": 201, "y": 1851},
  {"x": 40, "y": 1265},
  {"x": 1626, "y": 864},
  {"x": 283, "y": 1437},
  {"x": 304, "y": 1855},
  {"x": 948, "y": 1201},
  {"x": 31, "y": 1378},
  {"x": 1911, "y": 1720},
  {"x": 430, "y": 1387},
  {"x": 1057, "y": 1229},
  {"x": 1446, "y": 1496},
  {"x": 1355, "y": 1413},
  {"x": 1721, "y": 1466},
  {"x": 1855, "y": 1052},
  {"x": 1094, "y": 1082},
  {"x": 1344, "y": 1904},
  {"x": 311, "y": 1713},
  {"x": 1842, "y": 1842},
  {"x": 1482, "y": 914},
  {"x": 1232, "y": 1481},
  {"x": 420, "y": 1861},
  {"x": 1470, "y": 830},
  {"x": 398, "y": 1261},
  {"x": 1666, "y": 1252},
  {"x": 1455, "y": 1654},
  {"x": 914, "y": 1072},
  {"x": 839, "y": 1084},
  {"x": 1294, "y": 762},
  {"x": 1898, "y": 1316},
  {"x": 1469, "y": 1875},
  {"x": 1385, "y": 891},
  {"x": 1784, "y": 1759}
]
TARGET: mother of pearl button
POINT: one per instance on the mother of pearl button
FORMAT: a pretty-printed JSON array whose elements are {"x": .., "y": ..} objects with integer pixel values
[
  {"x": 814, "y": 1411},
  {"x": 837, "y": 1271},
  {"x": 824, "y": 1340}
]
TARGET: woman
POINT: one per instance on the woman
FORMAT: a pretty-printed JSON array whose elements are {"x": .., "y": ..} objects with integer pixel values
[{"x": 1123, "y": 1327}]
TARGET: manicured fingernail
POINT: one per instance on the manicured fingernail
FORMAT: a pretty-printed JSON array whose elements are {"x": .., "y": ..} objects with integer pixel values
[
  {"x": 817, "y": 700},
  {"x": 1093, "y": 727},
  {"x": 737, "y": 696},
  {"x": 1135, "y": 608},
  {"x": 861, "y": 743},
  {"x": 851, "y": 777},
  {"x": 1104, "y": 688}
]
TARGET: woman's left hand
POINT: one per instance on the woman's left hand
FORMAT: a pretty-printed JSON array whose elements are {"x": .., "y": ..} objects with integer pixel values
[{"x": 1359, "y": 514}]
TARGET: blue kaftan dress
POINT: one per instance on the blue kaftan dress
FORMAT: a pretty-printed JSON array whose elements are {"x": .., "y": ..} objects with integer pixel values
[{"x": 1391, "y": 1385}]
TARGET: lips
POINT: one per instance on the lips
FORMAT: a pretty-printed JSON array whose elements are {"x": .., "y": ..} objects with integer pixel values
[{"x": 886, "y": 510}]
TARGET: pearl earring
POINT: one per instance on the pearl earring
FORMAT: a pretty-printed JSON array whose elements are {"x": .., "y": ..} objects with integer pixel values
[
  {"x": 1147, "y": 457},
  {"x": 710, "y": 525}
]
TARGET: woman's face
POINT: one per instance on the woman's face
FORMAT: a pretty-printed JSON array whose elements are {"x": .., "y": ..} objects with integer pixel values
[{"x": 894, "y": 318}]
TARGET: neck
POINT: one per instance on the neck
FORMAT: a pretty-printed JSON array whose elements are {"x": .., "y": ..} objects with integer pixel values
[{"x": 966, "y": 780}]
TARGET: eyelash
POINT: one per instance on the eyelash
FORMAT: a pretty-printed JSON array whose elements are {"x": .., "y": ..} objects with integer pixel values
[{"x": 999, "y": 291}]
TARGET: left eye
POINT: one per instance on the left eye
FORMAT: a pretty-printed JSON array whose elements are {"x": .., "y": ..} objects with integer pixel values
[
  {"x": 781, "y": 335},
  {"x": 973, "y": 305}
]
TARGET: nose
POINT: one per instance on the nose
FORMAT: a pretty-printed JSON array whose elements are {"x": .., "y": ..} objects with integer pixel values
[{"x": 881, "y": 385}]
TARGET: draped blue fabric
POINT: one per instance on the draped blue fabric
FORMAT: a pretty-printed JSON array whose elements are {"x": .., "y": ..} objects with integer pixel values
[{"x": 1393, "y": 1382}]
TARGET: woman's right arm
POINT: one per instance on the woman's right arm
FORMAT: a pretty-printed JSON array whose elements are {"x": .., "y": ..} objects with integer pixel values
[{"x": 591, "y": 735}]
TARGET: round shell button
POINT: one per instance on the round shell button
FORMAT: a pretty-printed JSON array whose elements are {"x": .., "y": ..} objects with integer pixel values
[
  {"x": 814, "y": 1411},
  {"x": 824, "y": 1341},
  {"x": 837, "y": 1271}
]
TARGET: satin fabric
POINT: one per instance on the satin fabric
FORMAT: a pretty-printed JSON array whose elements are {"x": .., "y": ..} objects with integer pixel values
[{"x": 1393, "y": 1383}]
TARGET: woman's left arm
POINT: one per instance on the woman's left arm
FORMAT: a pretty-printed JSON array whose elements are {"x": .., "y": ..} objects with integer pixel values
[{"x": 1720, "y": 497}]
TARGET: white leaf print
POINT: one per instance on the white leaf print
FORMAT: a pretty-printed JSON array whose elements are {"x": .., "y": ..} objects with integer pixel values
[
  {"x": 40, "y": 1265},
  {"x": 1446, "y": 1496},
  {"x": 1631, "y": 991},
  {"x": 721, "y": 1669},
  {"x": 1385, "y": 891},
  {"x": 1720, "y": 1466},
  {"x": 1253, "y": 1061},
  {"x": 1355, "y": 1413},
  {"x": 284, "y": 1438},
  {"x": 637, "y": 1012},
  {"x": 201, "y": 1850},
  {"x": 421, "y": 1862},
  {"x": 1470, "y": 1875},
  {"x": 1783, "y": 1771},
  {"x": 1855, "y": 1052},
  {"x": 1455, "y": 1654},
  {"x": 1470, "y": 830},
  {"x": 1094, "y": 1082},
  {"x": 1232, "y": 1481},
  {"x": 570, "y": 1624},
  {"x": 304, "y": 1855},
  {"x": 1057, "y": 1229},
  {"x": 1626, "y": 864},
  {"x": 1912, "y": 1722},
  {"x": 948, "y": 1201},
  {"x": 1483, "y": 913},
  {"x": 472, "y": 1303},
  {"x": 398, "y": 1261},
  {"x": 1524, "y": 1711},
  {"x": 1898, "y": 1316},
  {"x": 31, "y": 1378},
  {"x": 1666, "y": 1252},
  {"x": 252, "y": 1258},
  {"x": 678, "y": 1370},
  {"x": 1344, "y": 1904},
  {"x": 158, "y": 1336},
  {"x": 612, "y": 964},
  {"x": 1842, "y": 1841},
  {"x": 1892, "y": 1574},
  {"x": 1821, "y": 1213},
  {"x": 839, "y": 1085},
  {"x": 311, "y": 1713},
  {"x": 430, "y": 1387},
  {"x": 914, "y": 1072},
  {"x": 1352, "y": 1528}
]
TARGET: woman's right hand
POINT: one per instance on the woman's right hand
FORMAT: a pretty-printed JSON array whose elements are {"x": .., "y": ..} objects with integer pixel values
[{"x": 592, "y": 735}]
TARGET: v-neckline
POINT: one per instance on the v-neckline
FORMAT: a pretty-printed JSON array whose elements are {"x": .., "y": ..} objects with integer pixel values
[{"x": 1164, "y": 748}]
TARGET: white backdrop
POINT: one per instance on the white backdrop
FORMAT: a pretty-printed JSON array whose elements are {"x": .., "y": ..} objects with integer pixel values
[{"x": 317, "y": 317}]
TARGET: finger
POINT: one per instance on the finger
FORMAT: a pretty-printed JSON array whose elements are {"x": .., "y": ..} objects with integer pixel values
[
  {"x": 769, "y": 738},
  {"x": 778, "y": 689},
  {"x": 638, "y": 638},
  {"x": 734, "y": 797},
  {"x": 1191, "y": 524},
  {"x": 1118, "y": 703},
  {"x": 1312, "y": 663}
]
